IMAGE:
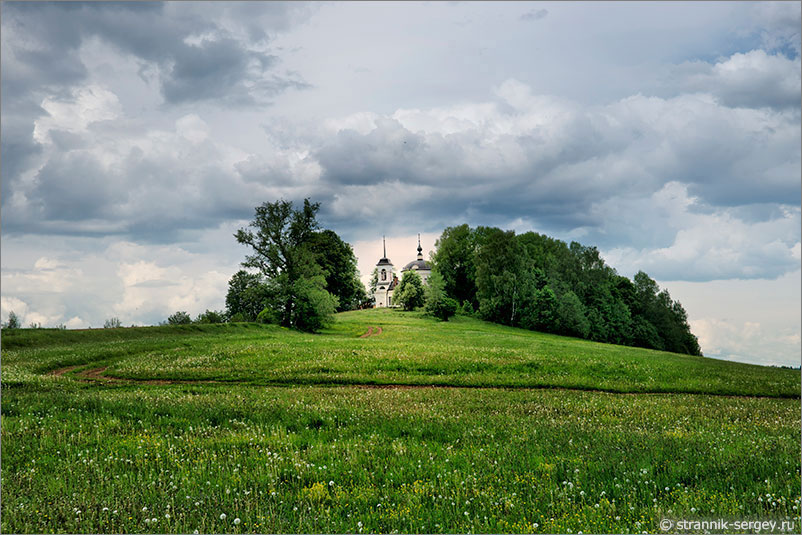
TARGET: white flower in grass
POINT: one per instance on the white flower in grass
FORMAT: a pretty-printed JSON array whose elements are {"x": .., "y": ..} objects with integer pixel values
[
  {"x": 331, "y": 483},
  {"x": 222, "y": 516},
  {"x": 237, "y": 521}
]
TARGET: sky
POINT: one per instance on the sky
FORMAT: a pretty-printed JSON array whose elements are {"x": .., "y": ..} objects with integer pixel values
[{"x": 136, "y": 138}]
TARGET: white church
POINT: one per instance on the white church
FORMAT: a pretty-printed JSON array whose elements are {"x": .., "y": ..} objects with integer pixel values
[{"x": 388, "y": 280}]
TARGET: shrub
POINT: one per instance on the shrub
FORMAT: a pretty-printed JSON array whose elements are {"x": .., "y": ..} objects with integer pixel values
[
  {"x": 211, "y": 316},
  {"x": 13, "y": 321},
  {"x": 438, "y": 304},
  {"x": 179, "y": 318},
  {"x": 112, "y": 323}
]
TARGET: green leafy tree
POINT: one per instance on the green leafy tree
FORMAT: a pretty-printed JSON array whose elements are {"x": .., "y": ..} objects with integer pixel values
[
  {"x": 281, "y": 241},
  {"x": 409, "y": 293},
  {"x": 179, "y": 318},
  {"x": 503, "y": 282},
  {"x": 454, "y": 257},
  {"x": 374, "y": 284},
  {"x": 13, "y": 321},
  {"x": 438, "y": 304},
  {"x": 571, "y": 318},
  {"x": 314, "y": 306},
  {"x": 246, "y": 297},
  {"x": 339, "y": 264},
  {"x": 540, "y": 312}
]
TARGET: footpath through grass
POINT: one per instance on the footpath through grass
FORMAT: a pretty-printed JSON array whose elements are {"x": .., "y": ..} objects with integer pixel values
[{"x": 247, "y": 456}]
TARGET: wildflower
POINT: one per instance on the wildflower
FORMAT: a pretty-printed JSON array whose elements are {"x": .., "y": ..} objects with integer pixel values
[
  {"x": 331, "y": 483},
  {"x": 237, "y": 521},
  {"x": 105, "y": 509},
  {"x": 144, "y": 509},
  {"x": 222, "y": 516},
  {"x": 359, "y": 524},
  {"x": 167, "y": 516}
]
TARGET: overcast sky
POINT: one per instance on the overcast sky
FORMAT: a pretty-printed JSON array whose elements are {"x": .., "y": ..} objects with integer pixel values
[{"x": 136, "y": 139}]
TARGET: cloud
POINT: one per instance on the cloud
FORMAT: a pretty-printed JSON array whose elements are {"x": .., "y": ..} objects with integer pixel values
[
  {"x": 707, "y": 244},
  {"x": 196, "y": 54},
  {"x": 535, "y": 14},
  {"x": 753, "y": 79}
]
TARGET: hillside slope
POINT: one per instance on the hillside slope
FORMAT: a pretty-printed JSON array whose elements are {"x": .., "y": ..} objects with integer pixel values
[{"x": 410, "y": 350}]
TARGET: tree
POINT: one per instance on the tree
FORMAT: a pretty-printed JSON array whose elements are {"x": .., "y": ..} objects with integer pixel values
[
  {"x": 179, "y": 318},
  {"x": 374, "y": 284},
  {"x": 438, "y": 304},
  {"x": 454, "y": 257},
  {"x": 339, "y": 264},
  {"x": 281, "y": 240},
  {"x": 503, "y": 284},
  {"x": 112, "y": 323},
  {"x": 314, "y": 306},
  {"x": 540, "y": 312},
  {"x": 571, "y": 318},
  {"x": 246, "y": 296},
  {"x": 409, "y": 292},
  {"x": 13, "y": 321}
]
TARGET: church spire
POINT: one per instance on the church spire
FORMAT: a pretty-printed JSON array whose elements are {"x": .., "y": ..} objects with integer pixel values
[
  {"x": 420, "y": 249},
  {"x": 384, "y": 248}
]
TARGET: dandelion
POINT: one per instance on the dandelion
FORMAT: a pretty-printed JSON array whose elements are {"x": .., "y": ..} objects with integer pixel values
[
  {"x": 144, "y": 509},
  {"x": 237, "y": 521},
  {"x": 105, "y": 509},
  {"x": 331, "y": 483},
  {"x": 167, "y": 516},
  {"x": 222, "y": 516}
]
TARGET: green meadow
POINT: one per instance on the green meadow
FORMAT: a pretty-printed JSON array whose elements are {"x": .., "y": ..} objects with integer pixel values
[{"x": 463, "y": 426}]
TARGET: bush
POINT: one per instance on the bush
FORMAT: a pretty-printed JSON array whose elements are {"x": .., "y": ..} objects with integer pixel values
[
  {"x": 438, "y": 304},
  {"x": 314, "y": 306},
  {"x": 112, "y": 323},
  {"x": 211, "y": 316},
  {"x": 179, "y": 318}
]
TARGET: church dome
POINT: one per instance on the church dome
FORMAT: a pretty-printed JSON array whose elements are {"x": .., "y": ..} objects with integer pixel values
[
  {"x": 417, "y": 265},
  {"x": 420, "y": 263}
]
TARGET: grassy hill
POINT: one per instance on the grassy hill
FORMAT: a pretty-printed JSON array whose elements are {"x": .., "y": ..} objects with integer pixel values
[
  {"x": 411, "y": 350},
  {"x": 248, "y": 428}
]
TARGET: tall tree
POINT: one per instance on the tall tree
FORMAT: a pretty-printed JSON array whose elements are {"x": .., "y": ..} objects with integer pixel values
[
  {"x": 247, "y": 296},
  {"x": 438, "y": 304},
  {"x": 339, "y": 264},
  {"x": 454, "y": 258},
  {"x": 280, "y": 237}
]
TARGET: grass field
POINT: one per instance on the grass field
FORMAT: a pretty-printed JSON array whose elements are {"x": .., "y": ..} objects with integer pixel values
[{"x": 247, "y": 428}]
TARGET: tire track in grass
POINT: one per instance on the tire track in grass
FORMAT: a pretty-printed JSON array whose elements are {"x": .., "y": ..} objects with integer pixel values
[
  {"x": 371, "y": 332},
  {"x": 97, "y": 375}
]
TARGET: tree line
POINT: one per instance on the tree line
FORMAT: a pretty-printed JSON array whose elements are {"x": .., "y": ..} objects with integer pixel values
[{"x": 536, "y": 282}]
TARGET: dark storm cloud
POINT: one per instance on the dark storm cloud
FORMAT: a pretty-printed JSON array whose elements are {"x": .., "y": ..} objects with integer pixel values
[{"x": 216, "y": 65}]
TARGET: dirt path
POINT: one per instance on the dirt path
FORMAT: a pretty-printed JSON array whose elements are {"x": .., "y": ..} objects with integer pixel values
[
  {"x": 62, "y": 371},
  {"x": 97, "y": 375},
  {"x": 371, "y": 332}
]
